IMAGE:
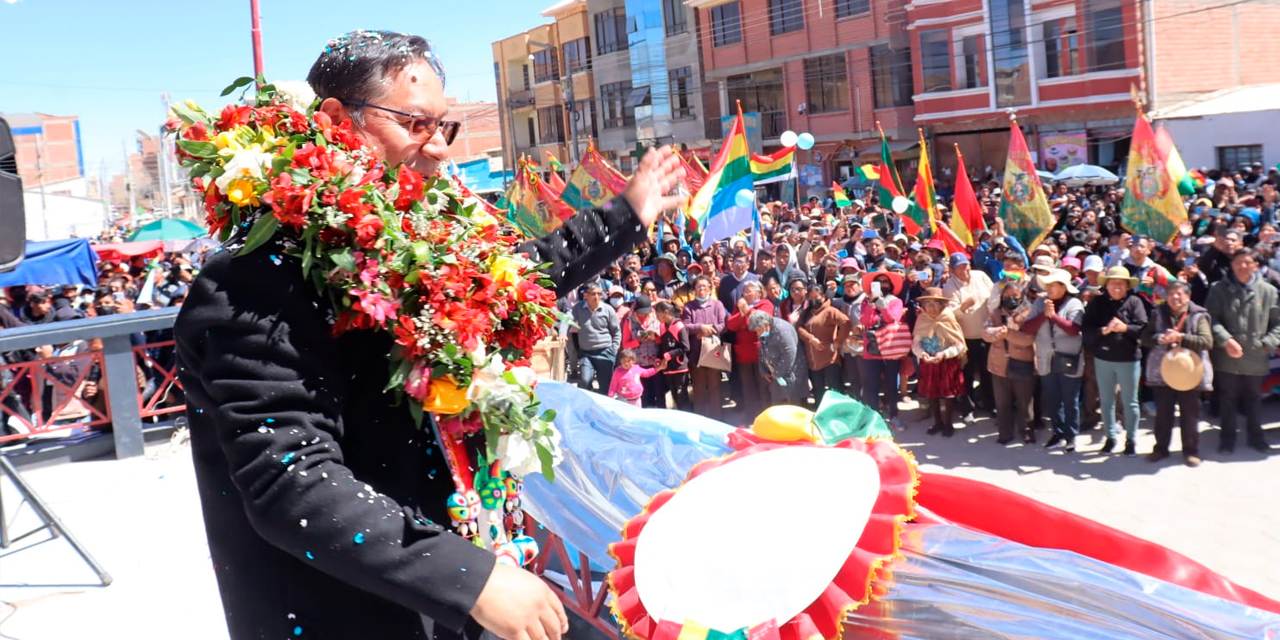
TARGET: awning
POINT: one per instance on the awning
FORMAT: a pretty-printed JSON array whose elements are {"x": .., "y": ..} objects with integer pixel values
[
  {"x": 121, "y": 251},
  {"x": 637, "y": 97},
  {"x": 54, "y": 262},
  {"x": 901, "y": 150}
]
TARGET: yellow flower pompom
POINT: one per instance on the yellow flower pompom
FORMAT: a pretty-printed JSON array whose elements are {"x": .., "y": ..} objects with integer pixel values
[
  {"x": 445, "y": 397},
  {"x": 227, "y": 140},
  {"x": 241, "y": 192},
  {"x": 505, "y": 270}
]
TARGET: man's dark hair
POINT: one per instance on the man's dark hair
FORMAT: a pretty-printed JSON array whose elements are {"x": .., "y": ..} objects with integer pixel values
[
  {"x": 665, "y": 308},
  {"x": 1252, "y": 254},
  {"x": 591, "y": 286},
  {"x": 359, "y": 66},
  {"x": 38, "y": 296},
  {"x": 739, "y": 254}
]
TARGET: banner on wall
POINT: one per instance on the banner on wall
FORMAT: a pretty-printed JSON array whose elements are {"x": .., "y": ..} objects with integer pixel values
[
  {"x": 1061, "y": 150},
  {"x": 755, "y": 139}
]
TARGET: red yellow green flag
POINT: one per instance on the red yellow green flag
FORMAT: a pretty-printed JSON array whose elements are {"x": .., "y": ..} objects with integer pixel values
[
  {"x": 842, "y": 198},
  {"x": 924, "y": 214},
  {"x": 532, "y": 208},
  {"x": 967, "y": 218},
  {"x": 1152, "y": 205},
  {"x": 868, "y": 173},
  {"x": 593, "y": 183},
  {"x": 1023, "y": 206},
  {"x": 890, "y": 186}
]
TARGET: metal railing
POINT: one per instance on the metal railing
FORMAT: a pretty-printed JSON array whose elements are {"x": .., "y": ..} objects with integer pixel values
[{"x": 113, "y": 369}]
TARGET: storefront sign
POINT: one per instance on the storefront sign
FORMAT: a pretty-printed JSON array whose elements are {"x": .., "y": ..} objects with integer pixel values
[{"x": 1061, "y": 150}]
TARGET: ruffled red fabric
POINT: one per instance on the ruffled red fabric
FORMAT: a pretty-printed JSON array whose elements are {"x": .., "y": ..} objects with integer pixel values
[{"x": 853, "y": 584}]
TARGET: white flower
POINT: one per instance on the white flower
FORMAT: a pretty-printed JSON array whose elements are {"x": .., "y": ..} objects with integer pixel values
[
  {"x": 526, "y": 376},
  {"x": 295, "y": 93},
  {"x": 246, "y": 163},
  {"x": 519, "y": 455}
]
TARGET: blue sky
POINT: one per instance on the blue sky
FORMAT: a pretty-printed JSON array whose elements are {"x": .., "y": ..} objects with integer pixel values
[{"x": 108, "y": 61}]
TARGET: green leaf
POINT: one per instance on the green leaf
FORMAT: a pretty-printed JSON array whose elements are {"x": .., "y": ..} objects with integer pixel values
[
  {"x": 343, "y": 259},
  {"x": 239, "y": 82},
  {"x": 549, "y": 415},
  {"x": 308, "y": 254},
  {"x": 261, "y": 232},
  {"x": 187, "y": 114},
  {"x": 399, "y": 373},
  {"x": 415, "y": 410},
  {"x": 548, "y": 462},
  {"x": 199, "y": 149},
  {"x": 279, "y": 164}
]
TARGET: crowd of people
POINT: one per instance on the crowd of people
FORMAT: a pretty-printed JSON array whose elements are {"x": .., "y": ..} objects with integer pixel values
[
  {"x": 1088, "y": 329},
  {"x": 123, "y": 287}
]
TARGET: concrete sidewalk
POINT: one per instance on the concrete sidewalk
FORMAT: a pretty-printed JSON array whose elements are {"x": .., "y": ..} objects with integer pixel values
[{"x": 141, "y": 519}]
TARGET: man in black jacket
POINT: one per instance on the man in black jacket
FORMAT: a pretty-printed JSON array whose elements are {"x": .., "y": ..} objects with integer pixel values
[{"x": 321, "y": 499}]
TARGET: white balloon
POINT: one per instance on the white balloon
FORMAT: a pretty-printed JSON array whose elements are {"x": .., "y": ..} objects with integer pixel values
[
  {"x": 745, "y": 198},
  {"x": 901, "y": 204},
  {"x": 805, "y": 141},
  {"x": 789, "y": 138}
]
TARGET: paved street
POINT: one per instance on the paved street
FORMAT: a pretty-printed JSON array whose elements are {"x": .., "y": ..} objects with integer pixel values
[{"x": 141, "y": 519}]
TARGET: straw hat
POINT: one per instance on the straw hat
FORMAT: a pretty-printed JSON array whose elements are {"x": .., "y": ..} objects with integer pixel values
[
  {"x": 1117, "y": 273},
  {"x": 1182, "y": 369},
  {"x": 1059, "y": 276},
  {"x": 933, "y": 293}
]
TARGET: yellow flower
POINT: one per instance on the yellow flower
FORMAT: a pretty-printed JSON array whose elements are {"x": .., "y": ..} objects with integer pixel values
[
  {"x": 505, "y": 270},
  {"x": 241, "y": 192},
  {"x": 227, "y": 140},
  {"x": 445, "y": 398}
]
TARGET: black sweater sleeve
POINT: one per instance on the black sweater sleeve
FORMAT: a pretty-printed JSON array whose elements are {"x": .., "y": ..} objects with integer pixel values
[
  {"x": 273, "y": 396},
  {"x": 586, "y": 244}
]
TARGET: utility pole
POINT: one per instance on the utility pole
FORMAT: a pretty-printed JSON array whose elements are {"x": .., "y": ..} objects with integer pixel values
[
  {"x": 256, "y": 34},
  {"x": 165, "y": 166},
  {"x": 44, "y": 206},
  {"x": 129, "y": 184},
  {"x": 103, "y": 187}
]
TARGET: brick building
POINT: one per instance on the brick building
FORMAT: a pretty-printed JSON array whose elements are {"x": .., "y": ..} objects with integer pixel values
[
  {"x": 832, "y": 68},
  {"x": 545, "y": 89},
  {"x": 48, "y": 151}
]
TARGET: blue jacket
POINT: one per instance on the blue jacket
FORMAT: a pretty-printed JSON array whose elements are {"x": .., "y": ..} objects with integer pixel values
[{"x": 985, "y": 260}]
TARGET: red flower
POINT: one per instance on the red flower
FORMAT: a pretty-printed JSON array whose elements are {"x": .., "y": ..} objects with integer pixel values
[
  {"x": 233, "y": 116},
  {"x": 333, "y": 237},
  {"x": 411, "y": 188},
  {"x": 318, "y": 159},
  {"x": 351, "y": 202},
  {"x": 197, "y": 131},
  {"x": 290, "y": 202},
  {"x": 368, "y": 229},
  {"x": 407, "y": 337},
  {"x": 172, "y": 123}
]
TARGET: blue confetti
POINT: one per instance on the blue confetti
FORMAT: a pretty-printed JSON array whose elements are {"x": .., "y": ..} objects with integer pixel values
[
  {"x": 359, "y": 538},
  {"x": 288, "y": 457},
  {"x": 464, "y": 569},
  {"x": 270, "y": 420},
  {"x": 310, "y": 557},
  {"x": 297, "y": 631}
]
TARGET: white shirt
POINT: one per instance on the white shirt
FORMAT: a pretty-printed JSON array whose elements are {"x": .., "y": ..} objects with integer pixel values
[{"x": 979, "y": 291}]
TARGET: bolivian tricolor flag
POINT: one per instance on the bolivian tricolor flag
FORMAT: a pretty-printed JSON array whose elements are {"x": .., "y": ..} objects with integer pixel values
[
  {"x": 869, "y": 173},
  {"x": 690, "y": 630},
  {"x": 779, "y": 166},
  {"x": 925, "y": 212},
  {"x": 715, "y": 208},
  {"x": 842, "y": 198}
]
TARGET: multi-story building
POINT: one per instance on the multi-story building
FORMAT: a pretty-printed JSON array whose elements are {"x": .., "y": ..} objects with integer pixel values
[
  {"x": 481, "y": 130},
  {"x": 648, "y": 78},
  {"x": 832, "y": 68},
  {"x": 546, "y": 94},
  {"x": 1070, "y": 68},
  {"x": 49, "y": 152}
]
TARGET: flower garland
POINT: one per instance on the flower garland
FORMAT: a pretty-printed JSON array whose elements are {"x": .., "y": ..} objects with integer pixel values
[{"x": 403, "y": 254}]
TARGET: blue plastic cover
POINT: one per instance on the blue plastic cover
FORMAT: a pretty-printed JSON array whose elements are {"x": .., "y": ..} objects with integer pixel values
[{"x": 54, "y": 262}]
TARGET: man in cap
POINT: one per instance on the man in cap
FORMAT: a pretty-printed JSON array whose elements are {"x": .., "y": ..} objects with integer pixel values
[
  {"x": 970, "y": 290},
  {"x": 1153, "y": 279}
]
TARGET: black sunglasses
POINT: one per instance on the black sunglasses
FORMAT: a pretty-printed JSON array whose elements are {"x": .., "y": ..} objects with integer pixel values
[{"x": 421, "y": 126}]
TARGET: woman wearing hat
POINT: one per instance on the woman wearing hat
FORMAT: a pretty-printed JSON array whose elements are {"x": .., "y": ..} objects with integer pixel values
[
  {"x": 886, "y": 339},
  {"x": 1179, "y": 337},
  {"x": 1112, "y": 328},
  {"x": 939, "y": 344},
  {"x": 1055, "y": 322},
  {"x": 1012, "y": 363}
]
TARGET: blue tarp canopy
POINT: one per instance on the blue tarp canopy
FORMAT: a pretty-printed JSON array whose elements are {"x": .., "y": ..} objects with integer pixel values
[
  {"x": 478, "y": 176},
  {"x": 54, "y": 262}
]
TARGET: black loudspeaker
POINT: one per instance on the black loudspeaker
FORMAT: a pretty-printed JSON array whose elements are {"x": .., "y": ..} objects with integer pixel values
[{"x": 13, "y": 220}]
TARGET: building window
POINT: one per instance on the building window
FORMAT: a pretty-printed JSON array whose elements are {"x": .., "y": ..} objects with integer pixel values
[
  {"x": 971, "y": 62},
  {"x": 577, "y": 55},
  {"x": 614, "y": 112},
  {"x": 551, "y": 124},
  {"x": 785, "y": 16},
  {"x": 761, "y": 92},
  {"x": 1012, "y": 72},
  {"x": 935, "y": 60},
  {"x": 675, "y": 16},
  {"x": 826, "y": 84},
  {"x": 891, "y": 77},
  {"x": 846, "y": 8},
  {"x": 533, "y": 132},
  {"x": 1061, "y": 48},
  {"x": 726, "y": 24},
  {"x": 681, "y": 81},
  {"x": 524, "y": 72},
  {"x": 546, "y": 66},
  {"x": 611, "y": 30},
  {"x": 1239, "y": 158},
  {"x": 1104, "y": 35}
]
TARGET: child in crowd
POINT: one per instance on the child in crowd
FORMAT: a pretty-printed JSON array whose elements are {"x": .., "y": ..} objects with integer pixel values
[
  {"x": 673, "y": 348},
  {"x": 940, "y": 346},
  {"x": 626, "y": 385}
]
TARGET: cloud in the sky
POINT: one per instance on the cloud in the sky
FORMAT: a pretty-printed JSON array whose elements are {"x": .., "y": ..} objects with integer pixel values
[{"x": 11, "y": 1}]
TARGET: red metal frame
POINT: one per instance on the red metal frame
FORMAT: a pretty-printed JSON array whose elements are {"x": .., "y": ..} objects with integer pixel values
[
  {"x": 34, "y": 373},
  {"x": 169, "y": 380},
  {"x": 582, "y": 597}
]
